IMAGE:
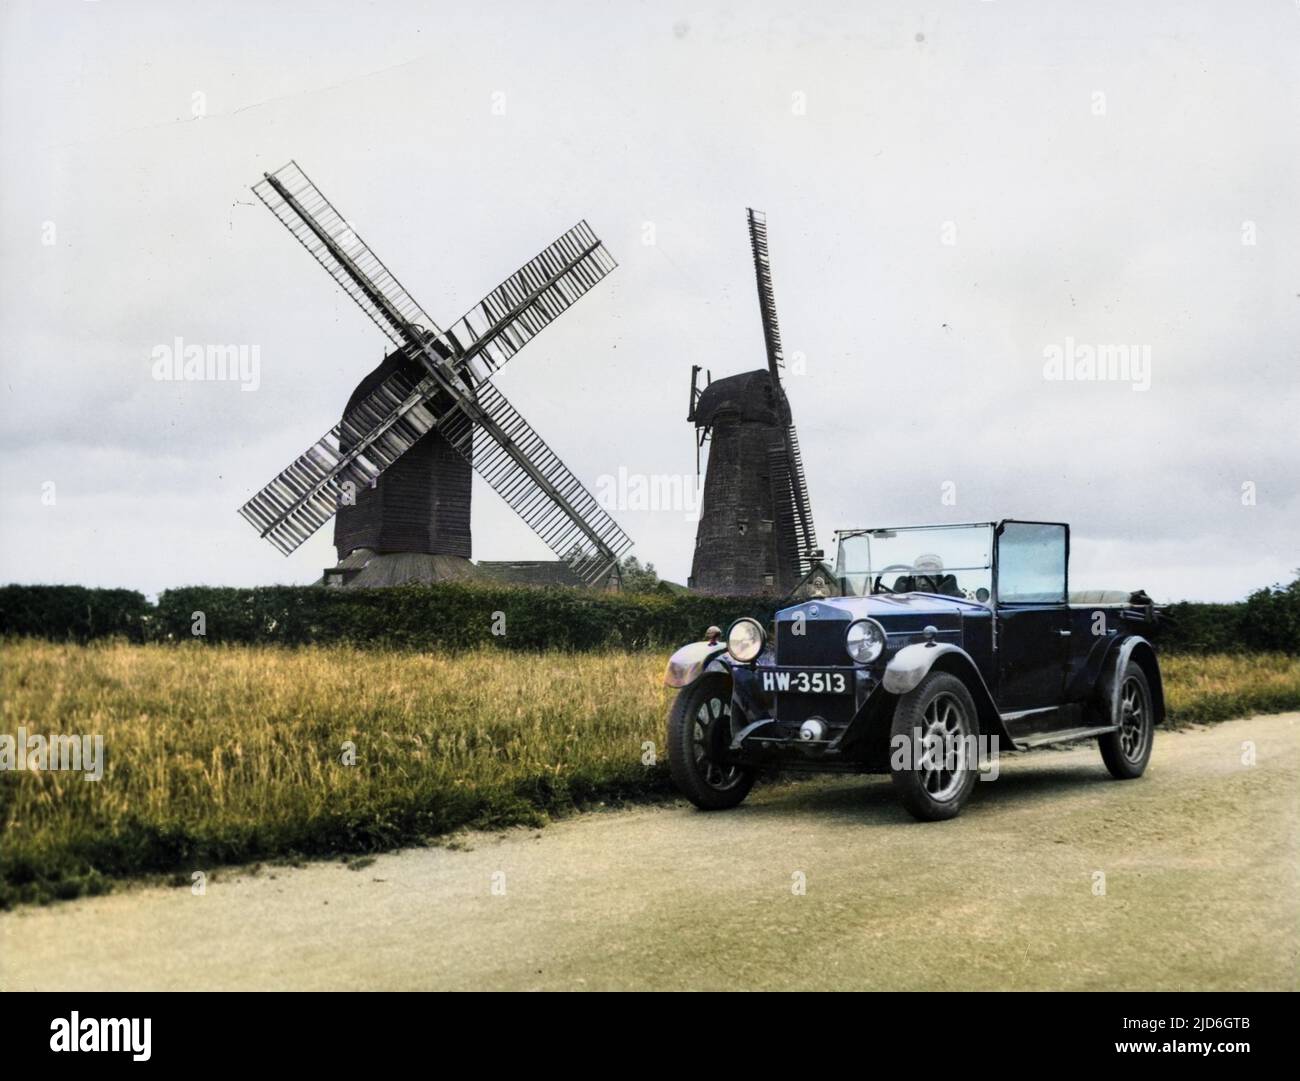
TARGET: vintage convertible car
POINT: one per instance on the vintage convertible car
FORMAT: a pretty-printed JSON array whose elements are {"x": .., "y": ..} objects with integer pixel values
[{"x": 941, "y": 647}]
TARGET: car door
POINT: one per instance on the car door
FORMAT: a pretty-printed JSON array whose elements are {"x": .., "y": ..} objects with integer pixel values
[{"x": 1033, "y": 617}]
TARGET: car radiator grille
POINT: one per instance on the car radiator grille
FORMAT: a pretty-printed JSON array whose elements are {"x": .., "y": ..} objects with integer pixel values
[{"x": 821, "y": 644}]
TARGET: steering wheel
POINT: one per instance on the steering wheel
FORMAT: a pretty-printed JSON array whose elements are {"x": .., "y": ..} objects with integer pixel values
[{"x": 880, "y": 586}]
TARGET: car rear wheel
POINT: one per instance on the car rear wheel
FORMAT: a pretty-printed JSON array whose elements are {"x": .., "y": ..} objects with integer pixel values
[
  {"x": 1127, "y": 750},
  {"x": 699, "y": 733},
  {"x": 933, "y": 758}
]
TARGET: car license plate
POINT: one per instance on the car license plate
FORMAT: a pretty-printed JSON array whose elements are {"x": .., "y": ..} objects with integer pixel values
[{"x": 804, "y": 681}]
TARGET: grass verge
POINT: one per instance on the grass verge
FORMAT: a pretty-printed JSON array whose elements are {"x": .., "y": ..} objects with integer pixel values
[{"x": 233, "y": 754}]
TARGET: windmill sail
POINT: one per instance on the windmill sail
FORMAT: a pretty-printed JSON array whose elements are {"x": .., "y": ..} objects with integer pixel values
[
  {"x": 454, "y": 396},
  {"x": 486, "y": 336},
  {"x": 506, "y": 452},
  {"x": 795, "y": 517},
  {"x": 796, "y": 539},
  {"x": 766, "y": 296},
  {"x": 317, "y": 226},
  {"x": 305, "y": 495},
  {"x": 510, "y": 316}
]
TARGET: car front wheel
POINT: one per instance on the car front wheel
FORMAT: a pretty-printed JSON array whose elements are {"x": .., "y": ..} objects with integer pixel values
[
  {"x": 933, "y": 754},
  {"x": 699, "y": 734},
  {"x": 1127, "y": 750}
]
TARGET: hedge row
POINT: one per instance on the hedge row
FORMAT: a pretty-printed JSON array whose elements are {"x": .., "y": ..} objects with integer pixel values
[
  {"x": 1267, "y": 620},
  {"x": 456, "y": 615},
  {"x": 75, "y": 612},
  {"x": 448, "y": 616}
]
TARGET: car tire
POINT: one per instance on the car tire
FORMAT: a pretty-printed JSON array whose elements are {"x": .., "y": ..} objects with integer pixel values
[
  {"x": 923, "y": 745},
  {"x": 1127, "y": 750},
  {"x": 699, "y": 732}
]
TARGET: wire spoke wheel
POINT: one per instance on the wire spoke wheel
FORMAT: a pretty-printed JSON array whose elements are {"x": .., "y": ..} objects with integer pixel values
[
  {"x": 711, "y": 725},
  {"x": 936, "y": 722},
  {"x": 942, "y": 757},
  {"x": 1134, "y": 719},
  {"x": 699, "y": 742},
  {"x": 1126, "y": 749}
]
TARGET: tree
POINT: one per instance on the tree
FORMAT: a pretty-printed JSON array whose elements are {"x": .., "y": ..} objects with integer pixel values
[
  {"x": 639, "y": 579},
  {"x": 1272, "y": 618}
]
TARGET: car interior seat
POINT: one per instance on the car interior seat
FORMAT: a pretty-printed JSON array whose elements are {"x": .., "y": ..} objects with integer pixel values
[{"x": 947, "y": 585}]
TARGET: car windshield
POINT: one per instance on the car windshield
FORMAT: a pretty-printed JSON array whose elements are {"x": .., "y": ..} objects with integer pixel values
[{"x": 953, "y": 560}]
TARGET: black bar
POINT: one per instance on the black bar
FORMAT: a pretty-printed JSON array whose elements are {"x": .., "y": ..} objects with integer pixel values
[{"x": 1050, "y": 1031}]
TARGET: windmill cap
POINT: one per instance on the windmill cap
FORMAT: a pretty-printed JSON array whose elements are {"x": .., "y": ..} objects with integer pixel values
[{"x": 749, "y": 395}]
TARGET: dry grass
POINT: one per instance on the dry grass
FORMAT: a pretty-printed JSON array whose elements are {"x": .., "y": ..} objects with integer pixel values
[
  {"x": 1219, "y": 686},
  {"x": 230, "y": 754},
  {"x": 218, "y": 754}
]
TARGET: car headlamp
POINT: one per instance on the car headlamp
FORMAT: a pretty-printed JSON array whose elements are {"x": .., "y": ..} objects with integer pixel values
[
  {"x": 745, "y": 640},
  {"x": 865, "y": 640}
]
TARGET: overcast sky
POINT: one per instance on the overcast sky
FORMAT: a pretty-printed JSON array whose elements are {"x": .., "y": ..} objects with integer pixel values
[{"x": 954, "y": 192}]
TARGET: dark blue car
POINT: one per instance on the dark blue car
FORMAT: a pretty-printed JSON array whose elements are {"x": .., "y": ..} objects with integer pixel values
[{"x": 934, "y": 649}]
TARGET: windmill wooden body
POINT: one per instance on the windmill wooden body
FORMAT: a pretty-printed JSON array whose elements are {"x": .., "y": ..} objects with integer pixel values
[
  {"x": 412, "y": 524},
  {"x": 755, "y": 533},
  {"x": 430, "y": 412}
]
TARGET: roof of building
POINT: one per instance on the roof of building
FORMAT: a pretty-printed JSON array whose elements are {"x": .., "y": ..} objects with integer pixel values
[
  {"x": 366, "y": 569},
  {"x": 530, "y": 572}
]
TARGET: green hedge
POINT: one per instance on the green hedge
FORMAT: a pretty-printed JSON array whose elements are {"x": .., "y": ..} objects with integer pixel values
[
  {"x": 1267, "y": 621},
  {"x": 1271, "y": 618},
  {"x": 1203, "y": 628},
  {"x": 74, "y": 612},
  {"x": 449, "y": 615},
  {"x": 455, "y": 615}
]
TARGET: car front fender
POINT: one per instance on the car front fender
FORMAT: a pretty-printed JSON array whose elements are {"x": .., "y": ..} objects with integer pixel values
[
  {"x": 913, "y": 663},
  {"x": 693, "y": 660}
]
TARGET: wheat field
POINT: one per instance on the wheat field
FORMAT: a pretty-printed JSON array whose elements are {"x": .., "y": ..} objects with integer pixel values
[{"x": 221, "y": 754}]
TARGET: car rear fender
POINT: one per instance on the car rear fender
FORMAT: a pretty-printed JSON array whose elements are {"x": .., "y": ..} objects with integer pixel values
[
  {"x": 1132, "y": 647},
  {"x": 693, "y": 660},
  {"x": 913, "y": 663}
]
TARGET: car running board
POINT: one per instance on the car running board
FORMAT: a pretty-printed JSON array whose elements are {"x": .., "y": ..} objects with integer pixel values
[{"x": 1066, "y": 735}]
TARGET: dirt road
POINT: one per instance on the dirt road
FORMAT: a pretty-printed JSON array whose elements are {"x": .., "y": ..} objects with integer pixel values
[{"x": 1200, "y": 891}]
